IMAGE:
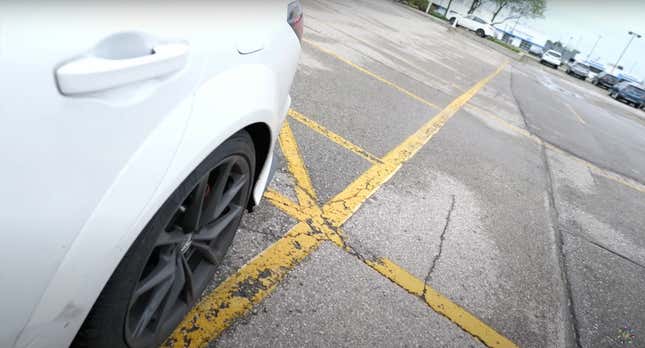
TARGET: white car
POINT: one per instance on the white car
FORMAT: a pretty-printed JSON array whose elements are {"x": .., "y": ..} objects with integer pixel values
[
  {"x": 480, "y": 26},
  {"x": 552, "y": 58},
  {"x": 133, "y": 136}
]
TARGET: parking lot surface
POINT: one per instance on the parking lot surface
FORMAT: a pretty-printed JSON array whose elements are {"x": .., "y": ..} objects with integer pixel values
[{"x": 433, "y": 191}]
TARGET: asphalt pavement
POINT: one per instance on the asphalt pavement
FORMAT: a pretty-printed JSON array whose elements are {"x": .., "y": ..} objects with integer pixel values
[{"x": 432, "y": 191}]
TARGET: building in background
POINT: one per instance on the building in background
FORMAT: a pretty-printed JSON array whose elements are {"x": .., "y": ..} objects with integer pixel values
[{"x": 520, "y": 36}]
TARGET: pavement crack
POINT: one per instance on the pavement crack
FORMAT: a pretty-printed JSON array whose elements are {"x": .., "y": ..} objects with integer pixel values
[
  {"x": 562, "y": 257},
  {"x": 265, "y": 233},
  {"x": 603, "y": 247},
  {"x": 442, "y": 237},
  {"x": 517, "y": 103}
]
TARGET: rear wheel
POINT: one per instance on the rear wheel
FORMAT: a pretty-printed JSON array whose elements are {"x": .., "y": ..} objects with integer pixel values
[
  {"x": 173, "y": 260},
  {"x": 481, "y": 33},
  {"x": 452, "y": 20}
]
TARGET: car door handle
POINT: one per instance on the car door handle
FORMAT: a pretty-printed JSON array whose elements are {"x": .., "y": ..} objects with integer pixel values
[{"x": 93, "y": 74}]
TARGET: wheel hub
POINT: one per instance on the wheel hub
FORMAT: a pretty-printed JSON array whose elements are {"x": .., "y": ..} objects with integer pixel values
[{"x": 187, "y": 243}]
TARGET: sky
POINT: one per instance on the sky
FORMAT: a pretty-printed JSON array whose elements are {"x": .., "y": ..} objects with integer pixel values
[{"x": 580, "y": 23}]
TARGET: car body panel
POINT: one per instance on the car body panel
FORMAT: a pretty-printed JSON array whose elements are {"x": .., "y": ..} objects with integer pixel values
[
  {"x": 552, "y": 57},
  {"x": 579, "y": 70},
  {"x": 475, "y": 23},
  {"x": 629, "y": 92},
  {"x": 605, "y": 80},
  {"x": 98, "y": 166}
]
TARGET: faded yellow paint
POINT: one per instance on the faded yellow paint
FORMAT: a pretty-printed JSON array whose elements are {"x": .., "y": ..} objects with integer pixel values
[
  {"x": 333, "y": 136},
  {"x": 575, "y": 113},
  {"x": 341, "y": 207},
  {"x": 254, "y": 281},
  {"x": 238, "y": 293},
  {"x": 304, "y": 188},
  {"x": 440, "y": 303},
  {"x": 376, "y": 76},
  {"x": 286, "y": 205}
]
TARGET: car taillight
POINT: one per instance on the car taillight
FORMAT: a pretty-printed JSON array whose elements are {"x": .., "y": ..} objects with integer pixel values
[{"x": 295, "y": 18}]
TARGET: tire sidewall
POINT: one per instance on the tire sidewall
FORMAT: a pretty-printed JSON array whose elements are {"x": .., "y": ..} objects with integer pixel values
[{"x": 107, "y": 317}]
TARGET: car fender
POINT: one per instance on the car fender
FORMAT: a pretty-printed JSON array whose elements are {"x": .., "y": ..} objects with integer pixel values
[{"x": 220, "y": 107}]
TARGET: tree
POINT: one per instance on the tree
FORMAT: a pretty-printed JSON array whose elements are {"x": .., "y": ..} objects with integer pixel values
[
  {"x": 474, "y": 6},
  {"x": 448, "y": 8},
  {"x": 518, "y": 9}
]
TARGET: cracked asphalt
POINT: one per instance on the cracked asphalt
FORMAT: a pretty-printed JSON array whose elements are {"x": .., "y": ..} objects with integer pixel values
[{"x": 525, "y": 208}]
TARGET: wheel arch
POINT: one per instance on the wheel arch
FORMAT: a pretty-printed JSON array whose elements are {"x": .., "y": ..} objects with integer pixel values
[
  {"x": 220, "y": 108},
  {"x": 260, "y": 133}
]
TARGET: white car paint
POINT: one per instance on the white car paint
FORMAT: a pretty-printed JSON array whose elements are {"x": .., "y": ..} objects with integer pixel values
[
  {"x": 552, "y": 57},
  {"x": 475, "y": 23},
  {"x": 83, "y": 173}
]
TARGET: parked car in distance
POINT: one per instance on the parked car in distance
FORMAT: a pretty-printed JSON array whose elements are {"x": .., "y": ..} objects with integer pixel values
[
  {"x": 629, "y": 92},
  {"x": 595, "y": 68},
  {"x": 552, "y": 58},
  {"x": 605, "y": 80},
  {"x": 536, "y": 51},
  {"x": 133, "y": 139},
  {"x": 481, "y": 27},
  {"x": 579, "y": 70}
]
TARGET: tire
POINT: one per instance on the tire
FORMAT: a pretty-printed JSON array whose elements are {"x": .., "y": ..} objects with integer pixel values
[
  {"x": 452, "y": 20},
  {"x": 481, "y": 33},
  {"x": 119, "y": 317}
]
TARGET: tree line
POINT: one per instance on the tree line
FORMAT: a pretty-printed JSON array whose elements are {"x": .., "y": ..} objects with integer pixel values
[{"x": 503, "y": 10}]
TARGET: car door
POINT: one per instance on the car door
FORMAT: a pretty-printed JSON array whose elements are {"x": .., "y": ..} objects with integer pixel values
[
  {"x": 65, "y": 137},
  {"x": 469, "y": 22}
]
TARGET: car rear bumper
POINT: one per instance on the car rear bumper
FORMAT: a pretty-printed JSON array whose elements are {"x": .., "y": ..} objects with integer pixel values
[{"x": 267, "y": 171}]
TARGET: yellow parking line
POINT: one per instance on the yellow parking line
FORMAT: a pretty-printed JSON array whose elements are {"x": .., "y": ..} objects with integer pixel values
[
  {"x": 286, "y": 205},
  {"x": 376, "y": 76},
  {"x": 592, "y": 167},
  {"x": 346, "y": 203},
  {"x": 259, "y": 277},
  {"x": 440, "y": 303},
  {"x": 236, "y": 295},
  {"x": 333, "y": 136},
  {"x": 349, "y": 200},
  {"x": 573, "y": 111},
  {"x": 304, "y": 188}
]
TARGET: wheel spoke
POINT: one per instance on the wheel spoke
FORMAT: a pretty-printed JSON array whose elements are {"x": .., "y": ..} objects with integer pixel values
[
  {"x": 162, "y": 272},
  {"x": 189, "y": 288},
  {"x": 178, "y": 285},
  {"x": 176, "y": 236},
  {"x": 206, "y": 252},
  {"x": 215, "y": 228},
  {"x": 192, "y": 216},
  {"x": 218, "y": 186},
  {"x": 153, "y": 305},
  {"x": 238, "y": 183}
]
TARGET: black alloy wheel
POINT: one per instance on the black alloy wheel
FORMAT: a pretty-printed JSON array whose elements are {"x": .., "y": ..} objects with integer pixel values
[
  {"x": 187, "y": 251},
  {"x": 172, "y": 261}
]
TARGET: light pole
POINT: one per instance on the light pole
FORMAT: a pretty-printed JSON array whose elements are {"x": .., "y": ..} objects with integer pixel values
[
  {"x": 633, "y": 35},
  {"x": 594, "y": 47}
]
